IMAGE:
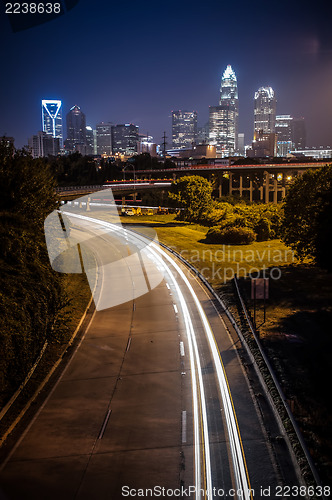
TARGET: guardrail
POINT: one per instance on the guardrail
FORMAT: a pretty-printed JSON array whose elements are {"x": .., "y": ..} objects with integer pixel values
[{"x": 278, "y": 387}]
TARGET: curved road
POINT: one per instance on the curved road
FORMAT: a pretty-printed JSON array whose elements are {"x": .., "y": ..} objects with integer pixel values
[{"x": 155, "y": 400}]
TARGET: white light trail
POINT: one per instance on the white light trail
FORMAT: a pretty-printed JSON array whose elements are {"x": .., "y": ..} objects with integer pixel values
[{"x": 157, "y": 254}]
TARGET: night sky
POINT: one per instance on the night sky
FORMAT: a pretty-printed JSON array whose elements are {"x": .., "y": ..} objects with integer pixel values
[{"x": 136, "y": 61}]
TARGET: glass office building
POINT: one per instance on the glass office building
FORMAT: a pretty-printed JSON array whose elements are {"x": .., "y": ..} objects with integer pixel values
[
  {"x": 265, "y": 110},
  {"x": 104, "y": 138},
  {"x": 184, "y": 129},
  {"x": 125, "y": 139},
  {"x": 76, "y": 128}
]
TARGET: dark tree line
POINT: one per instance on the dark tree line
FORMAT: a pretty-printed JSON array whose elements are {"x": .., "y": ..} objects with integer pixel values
[
  {"x": 307, "y": 224},
  {"x": 31, "y": 295}
]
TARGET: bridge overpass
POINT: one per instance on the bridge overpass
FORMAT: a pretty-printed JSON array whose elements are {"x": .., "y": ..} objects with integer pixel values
[{"x": 263, "y": 182}]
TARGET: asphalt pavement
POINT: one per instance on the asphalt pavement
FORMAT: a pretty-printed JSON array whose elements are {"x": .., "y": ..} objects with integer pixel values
[{"x": 155, "y": 399}]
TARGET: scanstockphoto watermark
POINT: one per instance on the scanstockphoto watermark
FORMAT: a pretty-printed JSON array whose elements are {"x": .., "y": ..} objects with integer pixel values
[
  {"x": 183, "y": 492},
  {"x": 225, "y": 262},
  {"x": 226, "y": 254},
  {"x": 277, "y": 491}
]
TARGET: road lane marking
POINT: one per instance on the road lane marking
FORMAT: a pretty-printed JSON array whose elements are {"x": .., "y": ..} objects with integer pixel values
[
  {"x": 175, "y": 309},
  {"x": 181, "y": 348},
  {"x": 128, "y": 344},
  {"x": 184, "y": 426},
  {"x": 106, "y": 419}
]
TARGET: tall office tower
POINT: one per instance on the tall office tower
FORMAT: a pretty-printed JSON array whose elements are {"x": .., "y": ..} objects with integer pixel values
[
  {"x": 265, "y": 110},
  {"x": 299, "y": 133},
  {"x": 223, "y": 119},
  {"x": 291, "y": 134},
  {"x": 125, "y": 139},
  {"x": 76, "y": 132},
  {"x": 90, "y": 141},
  {"x": 52, "y": 118},
  {"x": 104, "y": 138},
  {"x": 283, "y": 129},
  {"x": 184, "y": 128},
  {"x": 240, "y": 144}
]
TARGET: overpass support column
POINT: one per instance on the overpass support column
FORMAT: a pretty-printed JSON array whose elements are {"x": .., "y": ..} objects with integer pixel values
[
  {"x": 123, "y": 200},
  {"x": 241, "y": 185},
  {"x": 134, "y": 196},
  {"x": 283, "y": 189},
  {"x": 251, "y": 189},
  {"x": 88, "y": 204},
  {"x": 275, "y": 191},
  {"x": 267, "y": 186},
  {"x": 230, "y": 184},
  {"x": 220, "y": 186}
]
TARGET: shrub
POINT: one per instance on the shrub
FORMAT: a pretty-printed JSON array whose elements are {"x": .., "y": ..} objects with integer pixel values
[
  {"x": 219, "y": 213},
  {"x": 262, "y": 229},
  {"x": 231, "y": 235}
]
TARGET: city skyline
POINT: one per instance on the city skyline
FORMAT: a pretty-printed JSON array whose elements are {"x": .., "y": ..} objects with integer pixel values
[{"x": 292, "y": 55}]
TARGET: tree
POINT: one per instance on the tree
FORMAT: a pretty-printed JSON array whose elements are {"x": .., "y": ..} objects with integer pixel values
[
  {"x": 193, "y": 194},
  {"x": 27, "y": 186},
  {"x": 31, "y": 294},
  {"x": 307, "y": 216}
]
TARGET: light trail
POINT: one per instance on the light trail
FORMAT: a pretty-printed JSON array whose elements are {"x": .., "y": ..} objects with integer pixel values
[{"x": 157, "y": 254}]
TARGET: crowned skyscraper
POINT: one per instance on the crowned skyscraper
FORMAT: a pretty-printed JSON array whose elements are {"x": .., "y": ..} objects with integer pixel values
[{"x": 223, "y": 119}]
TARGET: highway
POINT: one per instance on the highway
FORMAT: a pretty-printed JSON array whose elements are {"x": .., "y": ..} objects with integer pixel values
[{"x": 155, "y": 397}]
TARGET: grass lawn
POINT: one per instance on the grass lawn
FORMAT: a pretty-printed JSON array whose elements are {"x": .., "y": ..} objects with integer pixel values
[{"x": 217, "y": 263}]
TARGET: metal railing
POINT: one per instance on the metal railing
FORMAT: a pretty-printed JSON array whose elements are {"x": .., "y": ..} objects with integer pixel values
[{"x": 278, "y": 387}]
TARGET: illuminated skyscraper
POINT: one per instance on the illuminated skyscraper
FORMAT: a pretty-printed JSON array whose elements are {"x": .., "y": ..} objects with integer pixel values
[
  {"x": 223, "y": 119},
  {"x": 52, "y": 118},
  {"x": 125, "y": 139},
  {"x": 104, "y": 138},
  {"x": 76, "y": 128},
  {"x": 291, "y": 134},
  {"x": 90, "y": 141},
  {"x": 265, "y": 110},
  {"x": 184, "y": 128}
]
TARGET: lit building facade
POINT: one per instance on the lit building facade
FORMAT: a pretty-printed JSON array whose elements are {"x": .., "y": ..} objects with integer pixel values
[
  {"x": 283, "y": 129},
  {"x": 291, "y": 134},
  {"x": 203, "y": 134},
  {"x": 146, "y": 145},
  {"x": 265, "y": 110},
  {"x": 44, "y": 145},
  {"x": 76, "y": 128},
  {"x": 52, "y": 118},
  {"x": 264, "y": 145},
  {"x": 184, "y": 128},
  {"x": 104, "y": 138},
  {"x": 223, "y": 119},
  {"x": 90, "y": 140},
  {"x": 125, "y": 139},
  {"x": 299, "y": 133}
]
